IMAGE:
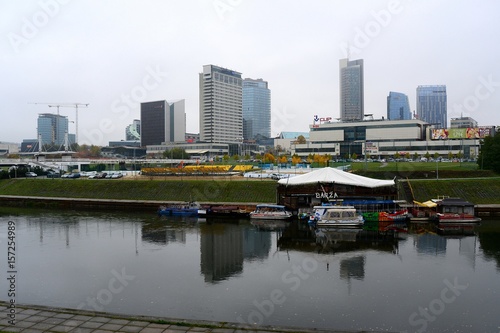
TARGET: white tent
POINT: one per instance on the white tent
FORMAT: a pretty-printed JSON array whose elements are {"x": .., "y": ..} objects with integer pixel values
[{"x": 336, "y": 176}]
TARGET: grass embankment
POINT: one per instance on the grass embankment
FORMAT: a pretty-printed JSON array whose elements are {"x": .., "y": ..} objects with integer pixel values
[
  {"x": 162, "y": 190},
  {"x": 478, "y": 190}
]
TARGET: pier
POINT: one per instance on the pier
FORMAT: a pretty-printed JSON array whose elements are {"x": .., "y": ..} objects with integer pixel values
[{"x": 39, "y": 319}]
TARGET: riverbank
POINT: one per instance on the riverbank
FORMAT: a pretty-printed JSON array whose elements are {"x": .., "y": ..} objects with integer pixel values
[
  {"x": 31, "y": 318},
  {"x": 480, "y": 191}
]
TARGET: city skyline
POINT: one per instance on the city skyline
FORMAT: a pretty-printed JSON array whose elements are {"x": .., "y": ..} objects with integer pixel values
[{"x": 115, "y": 57}]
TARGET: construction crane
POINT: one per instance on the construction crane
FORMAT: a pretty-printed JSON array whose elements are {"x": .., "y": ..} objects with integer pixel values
[{"x": 68, "y": 105}]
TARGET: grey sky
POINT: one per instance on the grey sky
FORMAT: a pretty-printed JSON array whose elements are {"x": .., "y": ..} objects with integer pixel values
[{"x": 116, "y": 54}]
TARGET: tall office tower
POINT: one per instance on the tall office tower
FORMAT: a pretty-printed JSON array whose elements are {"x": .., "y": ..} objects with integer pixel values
[
  {"x": 398, "y": 106},
  {"x": 162, "y": 121},
  {"x": 52, "y": 128},
  {"x": 221, "y": 118},
  {"x": 431, "y": 105},
  {"x": 351, "y": 90},
  {"x": 256, "y": 109},
  {"x": 133, "y": 131}
]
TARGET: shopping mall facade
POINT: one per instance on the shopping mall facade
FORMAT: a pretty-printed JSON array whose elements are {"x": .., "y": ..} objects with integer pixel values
[{"x": 386, "y": 138}]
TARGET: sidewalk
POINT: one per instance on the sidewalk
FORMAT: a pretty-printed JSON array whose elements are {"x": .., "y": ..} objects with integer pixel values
[{"x": 37, "y": 319}]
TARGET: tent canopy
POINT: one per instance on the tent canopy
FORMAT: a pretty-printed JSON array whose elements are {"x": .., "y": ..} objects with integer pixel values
[
  {"x": 427, "y": 204},
  {"x": 336, "y": 176}
]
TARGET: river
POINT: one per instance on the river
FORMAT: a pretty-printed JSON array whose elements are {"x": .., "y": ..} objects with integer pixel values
[{"x": 232, "y": 271}]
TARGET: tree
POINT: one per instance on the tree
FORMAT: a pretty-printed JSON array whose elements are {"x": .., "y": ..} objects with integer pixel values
[
  {"x": 415, "y": 156},
  {"x": 489, "y": 155},
  {"x": 427, "y": 155},
  {"x": 301, "y": 139},
  {"x": 175, "y": 153}
]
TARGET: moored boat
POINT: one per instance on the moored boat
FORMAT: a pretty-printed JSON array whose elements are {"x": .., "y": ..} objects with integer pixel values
[
  {"x": 270, "y": 212},
  {"x": 456, "y": 210},
  {"x": 226, "y": 211},
  {"x": 181, "y": 209},
  {"x": 336, "y": 216}
]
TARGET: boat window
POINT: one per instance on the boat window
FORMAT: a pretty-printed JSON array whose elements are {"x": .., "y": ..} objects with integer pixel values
[
  {"x": 469, "y": 210},
  {"x": 334, "y": 214},
  {"x": 348, "y": 213}
]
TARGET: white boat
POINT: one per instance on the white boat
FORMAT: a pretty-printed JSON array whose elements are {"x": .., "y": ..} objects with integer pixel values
[
  {"x": 336, "y": 216},
  {"x": 270, "y": 212}
]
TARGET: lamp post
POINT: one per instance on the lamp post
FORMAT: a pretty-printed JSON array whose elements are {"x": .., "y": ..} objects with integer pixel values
[{"x": 437, "y": 169}]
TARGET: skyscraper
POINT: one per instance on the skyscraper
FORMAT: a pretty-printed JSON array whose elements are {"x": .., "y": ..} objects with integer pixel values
[
  {"x": 431, "y": 104},
  {"x": 52, "y": 128},
  {"x": 162, "y": 121},
  {"x": 133, "y": 131},
  {"x": 256, "y": 109},
  {"x": 398, "y": 106},
  {"x": 221, "y": 118},
  {"x": 351, "y": 90}
]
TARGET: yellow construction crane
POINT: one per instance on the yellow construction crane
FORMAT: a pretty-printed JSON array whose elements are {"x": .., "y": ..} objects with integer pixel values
[{"x": 67, "y": 105}]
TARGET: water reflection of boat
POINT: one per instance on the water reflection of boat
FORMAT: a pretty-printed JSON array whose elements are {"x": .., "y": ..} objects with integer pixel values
[
  {"x": 269, "y": 225},
  {"x": 336, "y": 216},
  {"x": 270, "y": 212}
]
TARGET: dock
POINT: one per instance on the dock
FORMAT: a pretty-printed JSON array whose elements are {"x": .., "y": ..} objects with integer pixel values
[{"x": 39, "y": 319}]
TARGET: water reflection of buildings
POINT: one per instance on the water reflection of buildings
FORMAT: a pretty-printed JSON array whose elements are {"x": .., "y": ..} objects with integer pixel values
[
  {"x": 162, "y": 234},
  {"x": 224, "y": 247}
]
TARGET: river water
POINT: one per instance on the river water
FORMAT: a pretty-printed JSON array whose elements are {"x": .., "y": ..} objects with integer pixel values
[{"x": 233, "y": 271}]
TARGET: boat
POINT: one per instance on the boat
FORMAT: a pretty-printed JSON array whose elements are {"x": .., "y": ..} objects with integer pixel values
[
  {"x": 181, "y": 209},
  {"x": 226, "y": 211},
  {"x": 456, "y": 210},
  {"x": 336, "y": 216},
  {"x": 270, "y": 212}
]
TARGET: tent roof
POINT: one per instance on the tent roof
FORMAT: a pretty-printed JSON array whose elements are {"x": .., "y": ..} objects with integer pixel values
[{"x": 331, "y": 175}]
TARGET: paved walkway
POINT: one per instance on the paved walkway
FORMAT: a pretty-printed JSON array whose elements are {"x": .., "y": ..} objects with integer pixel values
[{"x": 37, "y": 319}]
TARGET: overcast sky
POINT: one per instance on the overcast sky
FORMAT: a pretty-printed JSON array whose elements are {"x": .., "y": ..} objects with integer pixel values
[{"x": 116, "y": 54}]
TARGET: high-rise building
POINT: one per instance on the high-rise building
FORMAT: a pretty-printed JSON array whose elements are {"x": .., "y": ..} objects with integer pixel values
[
  {"x": 351, "y": 90},
  {"x": 162, "y": 121},
  {"x": 256, "y": 109},
  {"x": 133, "y": 131},
  {"x": 53, "y": 128},
  {"x": 221, "y": 118},
  {"x": 398, "y": 106},
  {"x": 463, "y": 122},
  {"x": 431, "y": 105}
]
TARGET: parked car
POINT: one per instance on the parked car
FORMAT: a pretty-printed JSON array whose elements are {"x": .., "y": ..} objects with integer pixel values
[
  {"x": 31, "y": 174},
  {"x": 71, "y": 175},
  {"x": 53, "y": 175}
]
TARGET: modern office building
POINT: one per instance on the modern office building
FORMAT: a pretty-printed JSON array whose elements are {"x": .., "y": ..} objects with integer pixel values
[
  {"x": 221, "y": 117},
  {"x": 398, "y": 106},
  {"x": 52, "y": 129},
  {"x": 162, "y": 122},
  {"x": 351, "y": 90},
  {"x": 256, "y": 109},
  {"x": 133, "y": 131},
  {"x": 431, "y": 105}
]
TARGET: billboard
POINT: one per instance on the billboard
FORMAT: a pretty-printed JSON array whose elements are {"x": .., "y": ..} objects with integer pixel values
[{"x": 460, "y": 133}]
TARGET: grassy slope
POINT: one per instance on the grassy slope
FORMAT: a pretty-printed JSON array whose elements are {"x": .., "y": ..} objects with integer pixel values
[
  {"x": 478, "y": 191},
  {"x": 164, "y": 190}
]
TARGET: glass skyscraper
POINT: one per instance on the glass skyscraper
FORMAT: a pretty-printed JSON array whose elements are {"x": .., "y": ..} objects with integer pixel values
[
  {"x": 52, "y": 128},
  {"x": 351, "y": 90},
  {"x": 431, "y": 105},
  {"x": 398, "y": 106},
  {"x": 162, "y": 121},
  {"x": 256, "y": 109},
  {"x": 221, "y": 117}
]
